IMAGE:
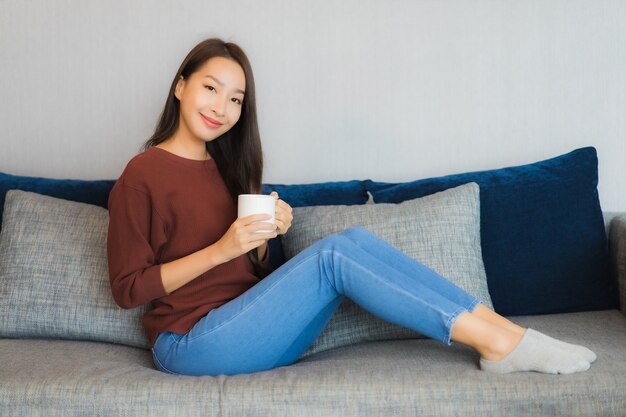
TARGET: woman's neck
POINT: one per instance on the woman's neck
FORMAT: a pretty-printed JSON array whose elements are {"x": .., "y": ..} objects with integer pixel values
[{"x": 185, "y": 149}]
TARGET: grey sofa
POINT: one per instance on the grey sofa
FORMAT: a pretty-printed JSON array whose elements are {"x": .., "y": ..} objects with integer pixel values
[
  {"x": 66, "y": 349},
  {"x": 412, "y": 377}
]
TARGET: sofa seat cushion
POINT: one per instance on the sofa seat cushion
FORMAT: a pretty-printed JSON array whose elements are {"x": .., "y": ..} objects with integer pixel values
[
  {"x": 393, "y": 378},
  {"x": 82, "y": 378}
]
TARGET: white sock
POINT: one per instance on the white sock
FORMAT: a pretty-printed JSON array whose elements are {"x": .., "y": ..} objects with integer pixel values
[
  {"x": 582, "y": 351},
  {"x": 536, "y": 353}
]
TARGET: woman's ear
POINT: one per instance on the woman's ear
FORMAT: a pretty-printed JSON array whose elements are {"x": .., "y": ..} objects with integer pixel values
[{"x": 180, "y": 85}]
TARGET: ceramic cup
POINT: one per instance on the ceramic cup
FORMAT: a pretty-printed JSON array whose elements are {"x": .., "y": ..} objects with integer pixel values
[{"x": 248, "y": 204}]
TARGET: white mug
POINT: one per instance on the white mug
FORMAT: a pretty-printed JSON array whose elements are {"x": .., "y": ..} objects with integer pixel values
[{"x": 248, "y": 204}]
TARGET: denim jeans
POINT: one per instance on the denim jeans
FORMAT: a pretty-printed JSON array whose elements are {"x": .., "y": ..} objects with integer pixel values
[{"x": 273, "y": 323}]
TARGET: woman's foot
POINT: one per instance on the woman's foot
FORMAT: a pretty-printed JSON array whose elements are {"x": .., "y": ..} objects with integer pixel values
[
  {"x": 582, "y": 351},
  {"x": 533, "y": 351}
]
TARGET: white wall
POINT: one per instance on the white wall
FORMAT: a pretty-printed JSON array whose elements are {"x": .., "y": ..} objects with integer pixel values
[{"x": 390, "y": 90}]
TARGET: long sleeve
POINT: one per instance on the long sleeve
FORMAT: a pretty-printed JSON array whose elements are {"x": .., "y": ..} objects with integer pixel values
[{"x": 134, "y": 229}]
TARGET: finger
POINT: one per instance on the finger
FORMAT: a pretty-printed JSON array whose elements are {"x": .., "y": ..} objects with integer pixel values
[
  {"x": 262, "y": 239},
  {"x": 284, "y": 215},
  {"x": 264, "y": 234},
  {"x": 281, "y": 203},
  {"x": 274, "y": 194},
  {"x": 255, "y": 218},
  {"x": 284, "y": 208},
  {"x": 261, "y": 226},
  {"x": 283, "y": 218}
]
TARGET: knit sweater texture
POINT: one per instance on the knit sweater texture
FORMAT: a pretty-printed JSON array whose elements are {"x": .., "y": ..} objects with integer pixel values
[{"x": 162, "y": 208}]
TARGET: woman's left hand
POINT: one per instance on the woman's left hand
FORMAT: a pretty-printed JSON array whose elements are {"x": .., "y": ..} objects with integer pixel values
[{"x": 283, "y": 215}]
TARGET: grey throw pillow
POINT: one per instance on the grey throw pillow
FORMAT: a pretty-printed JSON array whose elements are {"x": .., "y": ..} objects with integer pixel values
[
  {"x": 441, "y": 230},
  {"x": 54, "y": 280}
]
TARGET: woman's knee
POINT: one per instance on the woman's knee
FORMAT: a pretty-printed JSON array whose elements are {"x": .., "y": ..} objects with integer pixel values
[
  {"x": 357, "y": 233},
  {"x": 345, "y": 238}
]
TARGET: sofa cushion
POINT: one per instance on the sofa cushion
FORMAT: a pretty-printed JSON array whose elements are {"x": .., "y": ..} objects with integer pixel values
[
  {"x": 316, "y": 194},
  {"x": 86, "y": 191},
  {"x": 441, "y": 230},
  {"x": 54, "y": 280},
  {"x": 398, "y": 378},
  {"x": 543, "y": 239},
  {"x": 323, "y": 193}
]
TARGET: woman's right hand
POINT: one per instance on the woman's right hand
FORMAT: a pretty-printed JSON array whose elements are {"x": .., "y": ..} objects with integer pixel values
[
  {"x": 242, "y": 236},
  {"x": 238, "y": 239}
]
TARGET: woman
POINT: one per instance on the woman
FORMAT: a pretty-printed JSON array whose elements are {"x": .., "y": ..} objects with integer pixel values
[{"x": 174, "y": 241}]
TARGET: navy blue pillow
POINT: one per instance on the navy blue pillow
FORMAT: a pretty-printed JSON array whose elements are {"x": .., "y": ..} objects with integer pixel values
[
  {"x": 94, "y": 192},
  {"x": 542, "y": 231},
  {"x": 319, "y": 194}
]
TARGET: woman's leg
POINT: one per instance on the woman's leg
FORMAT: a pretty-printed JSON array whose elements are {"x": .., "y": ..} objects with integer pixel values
[
  {"x": 404, "y": 264},
  {"x": 492, "y": 341},
  {"x": 493, "y": 336},
  {"x": 504, "y": 349},
  {"x": 274, "y": 322},
  {"x": 494, "y": 318}
]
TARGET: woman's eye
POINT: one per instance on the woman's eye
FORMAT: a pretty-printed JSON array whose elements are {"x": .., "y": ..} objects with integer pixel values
[
  {"x": 209, "y": 87},
  {"x": 236, "y": 100}
]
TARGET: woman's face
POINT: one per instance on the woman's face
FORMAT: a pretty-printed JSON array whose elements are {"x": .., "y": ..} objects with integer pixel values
[{"x": 211, "y": 99}]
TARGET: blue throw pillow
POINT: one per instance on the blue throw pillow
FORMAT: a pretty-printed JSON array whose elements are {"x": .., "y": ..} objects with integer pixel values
[
  {"x": 346, "y": 193},
  {"x": 94, "y": 192},
  {"x": 542, "y": 231}
]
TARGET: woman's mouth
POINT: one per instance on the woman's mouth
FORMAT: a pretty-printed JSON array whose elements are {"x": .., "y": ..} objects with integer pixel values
[{"x": 210, "y": 122}]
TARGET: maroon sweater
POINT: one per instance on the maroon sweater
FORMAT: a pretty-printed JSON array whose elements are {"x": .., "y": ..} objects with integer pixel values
[{"x": 164, "y": 207}]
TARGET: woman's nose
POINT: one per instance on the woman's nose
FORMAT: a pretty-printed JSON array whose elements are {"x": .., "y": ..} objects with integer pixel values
[{"x": 218, "y": 106}]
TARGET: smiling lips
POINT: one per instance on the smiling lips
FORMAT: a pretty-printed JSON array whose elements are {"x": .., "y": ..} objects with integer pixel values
[{"x": 210, "y": 122}]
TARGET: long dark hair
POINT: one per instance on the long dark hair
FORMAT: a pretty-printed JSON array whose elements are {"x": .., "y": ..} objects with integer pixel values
[{"x": 237, "y": 153}]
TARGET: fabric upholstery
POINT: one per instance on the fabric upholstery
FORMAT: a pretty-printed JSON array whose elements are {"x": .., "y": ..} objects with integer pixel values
[
  {"x": 54, "y": 280},
  {"x": 61, "y": 289},
  {"x": 542, "y": 233},
  {"x": 86, "y": 191},
  {"x": 442, "y": 231},
  {"x": 324, "y": 193},
  {"x": 316, "y": 194},
  {"x": 617, "y": 247},
  {"x": 419, "y": 377}
]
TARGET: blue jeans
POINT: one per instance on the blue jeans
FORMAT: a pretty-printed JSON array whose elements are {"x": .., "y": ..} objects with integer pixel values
[{"x": 273, "y": 323}]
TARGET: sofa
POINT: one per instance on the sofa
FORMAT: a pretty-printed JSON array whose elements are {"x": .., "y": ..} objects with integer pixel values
[{"x": 531, "y": 241}]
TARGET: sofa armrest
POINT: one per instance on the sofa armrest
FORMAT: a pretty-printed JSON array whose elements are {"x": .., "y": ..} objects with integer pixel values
[{"x": 617, "y": 251}]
